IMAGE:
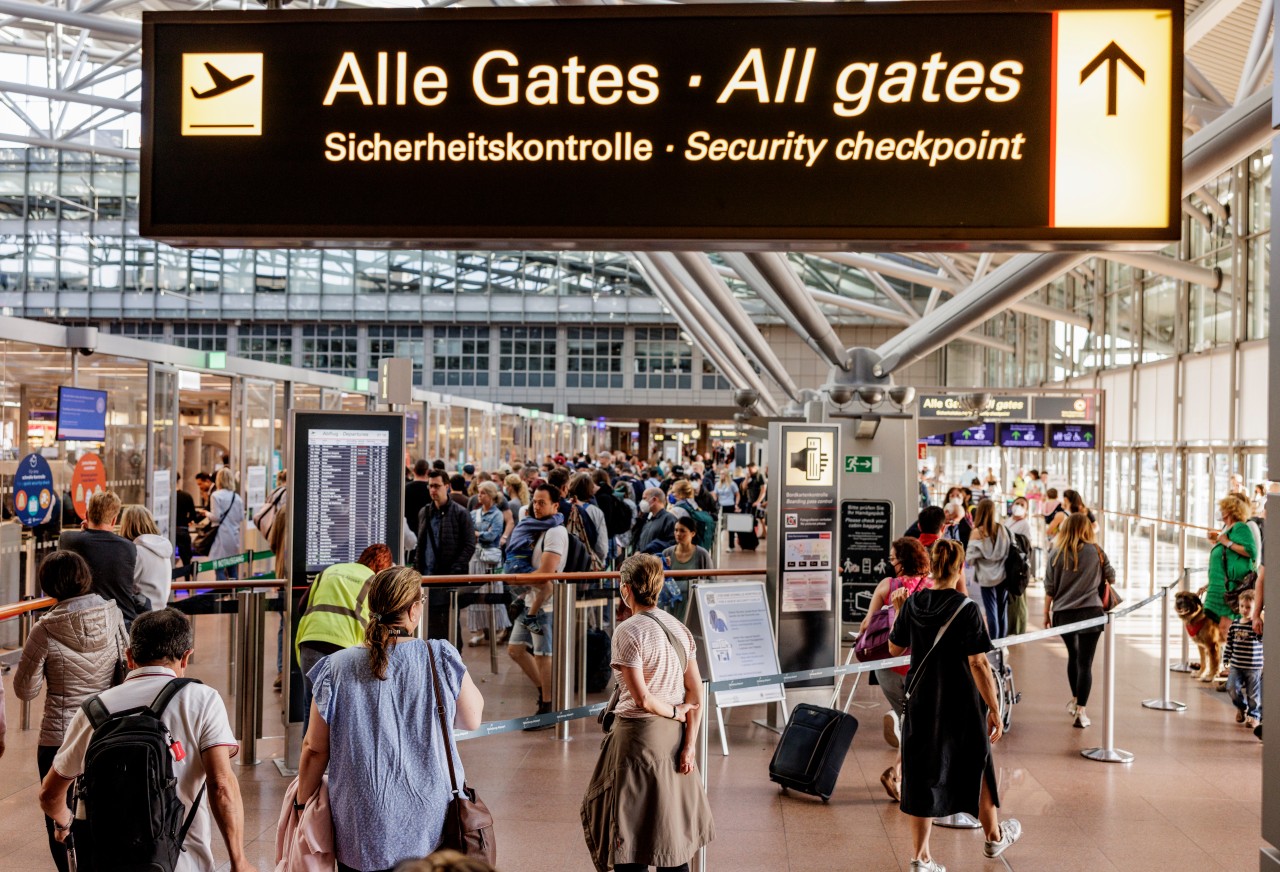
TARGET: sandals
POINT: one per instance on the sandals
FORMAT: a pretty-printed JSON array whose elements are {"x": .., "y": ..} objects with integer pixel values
[{"x": 889, "y": 778}]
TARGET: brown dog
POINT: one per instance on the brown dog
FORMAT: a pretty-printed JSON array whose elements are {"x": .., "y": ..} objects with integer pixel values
[{"x": 1204, "y": 632}]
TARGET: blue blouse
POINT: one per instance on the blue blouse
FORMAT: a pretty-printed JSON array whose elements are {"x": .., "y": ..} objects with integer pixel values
[{"x": 388, "y": 780}]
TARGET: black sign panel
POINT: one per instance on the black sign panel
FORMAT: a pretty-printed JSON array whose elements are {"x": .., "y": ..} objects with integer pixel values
[
  {"x": 652, "y": 127},
  {"x": 1073, "y": 436},
  {"x": 982, "y": 435},
  {"x": 1005, "y": 408},
  {"x": 1022, "y": 435},
  {"x": 866, "y": 534},
  {"x": 1064, "y": 408}
]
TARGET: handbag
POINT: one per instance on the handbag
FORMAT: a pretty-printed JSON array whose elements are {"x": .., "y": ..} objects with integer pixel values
[
  {"x": 1231, "y": 595},
  {"x": 1106, "y": 591},
  {"x": 121, "y": 670},
  {"x": 873, "y": 642},
  {"x": 204, "y": 539},
  {"x": 468, "y": 824}
]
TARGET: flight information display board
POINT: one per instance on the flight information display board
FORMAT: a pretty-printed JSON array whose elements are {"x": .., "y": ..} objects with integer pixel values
[
  {"x": 1055, "y": 123},
  {"x": 347, "y": 487}
]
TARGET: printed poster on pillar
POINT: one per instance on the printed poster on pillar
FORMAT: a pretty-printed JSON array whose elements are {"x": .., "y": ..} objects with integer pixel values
[{"x": 807, "y": 513}]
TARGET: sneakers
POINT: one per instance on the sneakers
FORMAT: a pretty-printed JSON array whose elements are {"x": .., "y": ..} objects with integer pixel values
[
  {"x": 1071, "y": 708},
  {"x": 927, "y": 866},
  {"x": 1082, "y": 721},
  {"x": 477, "y": 640},
  {"x": 892, "y": 729},
  {"x": 1251, "y": 723},
  {"x": 1239, "y": 716},
  {"x": 1010, "y": 832}
]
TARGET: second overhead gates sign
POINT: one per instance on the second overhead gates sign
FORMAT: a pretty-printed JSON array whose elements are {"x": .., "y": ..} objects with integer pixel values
[{"x": 664, "y": 127}]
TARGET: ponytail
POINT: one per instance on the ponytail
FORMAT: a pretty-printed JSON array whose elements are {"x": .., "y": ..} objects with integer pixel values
[{"x": 392, "y": 592}]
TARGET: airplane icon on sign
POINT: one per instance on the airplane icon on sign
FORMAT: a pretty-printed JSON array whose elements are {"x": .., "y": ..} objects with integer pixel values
[{"x": 222, "y": 83}]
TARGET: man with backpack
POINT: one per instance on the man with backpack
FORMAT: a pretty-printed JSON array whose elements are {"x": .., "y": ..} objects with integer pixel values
[
  {"x": 172, "y": 734},
  {"x": 530, "y": 642}
]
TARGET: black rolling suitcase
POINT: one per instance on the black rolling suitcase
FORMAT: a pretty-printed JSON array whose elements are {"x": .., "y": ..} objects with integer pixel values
[{"x": 812, "y": 749}]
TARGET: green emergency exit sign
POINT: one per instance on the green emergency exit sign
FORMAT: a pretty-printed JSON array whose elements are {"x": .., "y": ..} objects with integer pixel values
[{"x": 863, "y": 463}]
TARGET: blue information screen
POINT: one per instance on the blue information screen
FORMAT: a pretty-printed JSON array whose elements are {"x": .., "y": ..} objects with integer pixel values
[
  {"x": 975, "y": 436},
  {"x": 82, "y": 414},
  {"x": 1022, "y": 435},
  {"x": 940, "y": 439},
  {"x": 34, "y": 498},
  {"x": 1073, "y": 436}
]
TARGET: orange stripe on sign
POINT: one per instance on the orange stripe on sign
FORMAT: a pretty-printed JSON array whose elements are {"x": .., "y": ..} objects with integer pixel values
[{"x": 1053, "y": 116}]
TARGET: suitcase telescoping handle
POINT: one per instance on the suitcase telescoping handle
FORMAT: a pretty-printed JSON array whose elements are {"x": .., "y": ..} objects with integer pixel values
[{"x": 835, "y": 697}]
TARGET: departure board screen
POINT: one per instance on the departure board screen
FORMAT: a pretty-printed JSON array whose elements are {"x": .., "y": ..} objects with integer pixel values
[
  {"x": 346, "y": 494},
  {"x": 347, "y": 489}
]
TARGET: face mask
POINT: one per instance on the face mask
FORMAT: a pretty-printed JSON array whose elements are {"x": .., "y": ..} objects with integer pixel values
[
  {"x": 959, "y": 501},
  {"x": 644, "y": 506},
  {"x": 1019, "y": 512}
]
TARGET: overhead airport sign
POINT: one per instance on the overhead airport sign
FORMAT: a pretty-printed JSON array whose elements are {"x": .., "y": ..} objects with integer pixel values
[
  {"x": 1040, "y": 124},
  {"x": 949, "y": 406}
]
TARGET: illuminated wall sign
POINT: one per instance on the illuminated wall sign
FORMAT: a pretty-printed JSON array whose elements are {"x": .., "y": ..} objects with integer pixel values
[
  {"x": 1050, "y": 124},
  {"x": 1001, "y": 408},
  {"x": 1072, "y": 436},
  {"x": 981, "y": 435},
  {"x": 1025, "y": 435}
]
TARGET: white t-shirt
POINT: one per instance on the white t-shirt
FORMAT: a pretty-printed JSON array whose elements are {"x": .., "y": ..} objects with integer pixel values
[
  {"x": 639, "y": 641},
  {"x": 196, "y": 717},
  {"x": 554, "y": 541}
]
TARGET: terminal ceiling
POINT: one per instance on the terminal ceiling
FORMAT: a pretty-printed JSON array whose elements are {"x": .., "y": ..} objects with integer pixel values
[{"x": 69, "y": 81}]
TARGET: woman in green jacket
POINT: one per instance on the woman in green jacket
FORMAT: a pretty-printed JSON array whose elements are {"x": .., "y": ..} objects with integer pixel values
[
  {"x": 1234, "y": 554},
  {"x": 337, "y": 611}
]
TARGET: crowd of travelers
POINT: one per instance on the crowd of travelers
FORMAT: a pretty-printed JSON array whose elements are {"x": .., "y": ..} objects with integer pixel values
[
  {"x": 381, "y": 785},
  {"x": 986, "y": 544}
]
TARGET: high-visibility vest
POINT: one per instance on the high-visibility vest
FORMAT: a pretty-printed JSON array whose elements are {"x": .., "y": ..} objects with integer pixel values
[{"x": 337, "y": 607}]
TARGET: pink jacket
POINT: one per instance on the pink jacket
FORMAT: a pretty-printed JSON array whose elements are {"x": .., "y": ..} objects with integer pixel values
[{"x": 304, "y": 840}]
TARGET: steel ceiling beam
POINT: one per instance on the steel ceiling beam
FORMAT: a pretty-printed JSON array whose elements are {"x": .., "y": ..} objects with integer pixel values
[
  {"x": 711, "y": 338},
  {"x": 1232, "y": 138},
  {"x": 706, "y": 279},
  {"x": 892, "y": 268},
  {"x": 71, "y": 96},
  {"x": 100, "y": 24},
  {"x": 777, "y": 271},
  {"x": 1205, "y": 18},
  {"x": 757, "y": 282},
  {"x": 827, "y": 298},
  {"x": 1211, "y": 278},
  {"x": 60, "y": 145}
]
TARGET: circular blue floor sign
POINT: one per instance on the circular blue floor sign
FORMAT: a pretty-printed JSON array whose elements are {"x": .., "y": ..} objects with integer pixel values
[{"x": 33, "y": 495}]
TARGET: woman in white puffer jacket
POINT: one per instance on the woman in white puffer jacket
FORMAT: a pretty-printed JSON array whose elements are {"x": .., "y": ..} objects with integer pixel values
[{"x": 153, "y": 570}]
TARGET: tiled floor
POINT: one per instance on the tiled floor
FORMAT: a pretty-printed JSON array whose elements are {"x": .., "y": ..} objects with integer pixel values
[{"x": 1191, "y": 800}]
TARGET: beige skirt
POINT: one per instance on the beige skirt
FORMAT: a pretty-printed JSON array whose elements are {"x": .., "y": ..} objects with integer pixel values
[{"x": 639, "y": 808}]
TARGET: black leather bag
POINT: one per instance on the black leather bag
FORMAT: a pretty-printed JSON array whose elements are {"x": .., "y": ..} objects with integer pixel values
[{"x": 468, "y": 824}]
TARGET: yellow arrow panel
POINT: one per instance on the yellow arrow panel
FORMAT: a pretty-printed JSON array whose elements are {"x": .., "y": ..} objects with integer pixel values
[{"x": 1112, "y": 102}]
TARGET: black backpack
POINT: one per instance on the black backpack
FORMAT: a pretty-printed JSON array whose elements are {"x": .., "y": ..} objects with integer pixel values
[
  {"x": 129, "y": 790},
  {"x": 1017, "y": 574},
  {"x": 617, "y": 517},
  {"x": 577, "y": 559}
]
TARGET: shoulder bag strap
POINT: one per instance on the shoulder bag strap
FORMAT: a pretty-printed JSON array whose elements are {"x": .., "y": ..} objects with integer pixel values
[
  {"x": 446, "y": 734},
  {"x": 671, "y": 637},
  {"x": 915, "y": 678}
]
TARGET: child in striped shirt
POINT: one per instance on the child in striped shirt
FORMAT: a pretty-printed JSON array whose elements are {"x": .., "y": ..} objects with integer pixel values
[{"x": 1243, "y": 656}]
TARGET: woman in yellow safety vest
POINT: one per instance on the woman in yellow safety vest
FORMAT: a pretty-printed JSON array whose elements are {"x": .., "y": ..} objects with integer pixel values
[{"x": 337, "y": 610}]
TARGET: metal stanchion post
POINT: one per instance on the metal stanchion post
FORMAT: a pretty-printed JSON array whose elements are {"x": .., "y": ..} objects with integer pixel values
[
  {"x": 580, "y": 666},
  {"x": 1109, "y": 753},
  {"x": 1152, "y": 584},
  {"x": 29, "y": 552},
  {"x": 563, "y": 606},
  {"x": 1184, "y": 663},
  {"x": 426, "y": 604},
  {"x": 24, "y": 630},
  {"x": 453, "y": 617},
  {"x": 704, "y": 731},
  {"x": 249, "y": 685},
  {"x": 1163, "y": 703}
]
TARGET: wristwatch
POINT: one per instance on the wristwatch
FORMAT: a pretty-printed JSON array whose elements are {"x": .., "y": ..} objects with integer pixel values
[
  {"x": 298, "y": 806},
  {"x": 60, "y": 827}
]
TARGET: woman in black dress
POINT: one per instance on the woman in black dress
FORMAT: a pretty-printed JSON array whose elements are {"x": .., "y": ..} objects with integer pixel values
[{"x": 952, "y": 716}]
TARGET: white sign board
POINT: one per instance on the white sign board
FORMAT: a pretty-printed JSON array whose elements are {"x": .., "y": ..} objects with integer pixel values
[
  {"x": 255, "y": 487},
  {"x": 161, "y": 496},
  {"x": 737, "y": 638}
]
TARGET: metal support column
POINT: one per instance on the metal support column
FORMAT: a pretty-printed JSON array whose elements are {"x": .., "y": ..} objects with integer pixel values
[
  {"x": 564, "y": 601},
  {"x": 249, "y": 669}
]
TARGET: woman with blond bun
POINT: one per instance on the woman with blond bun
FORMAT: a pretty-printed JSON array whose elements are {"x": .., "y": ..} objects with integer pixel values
[
  {"x": 374, "y": 727},
  {"x": 952, "y": 714},
  {"x": 645, "y": 805}
]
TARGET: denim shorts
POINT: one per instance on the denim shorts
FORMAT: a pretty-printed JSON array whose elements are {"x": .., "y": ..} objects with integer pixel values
[{"x": 539, "y": 645}]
